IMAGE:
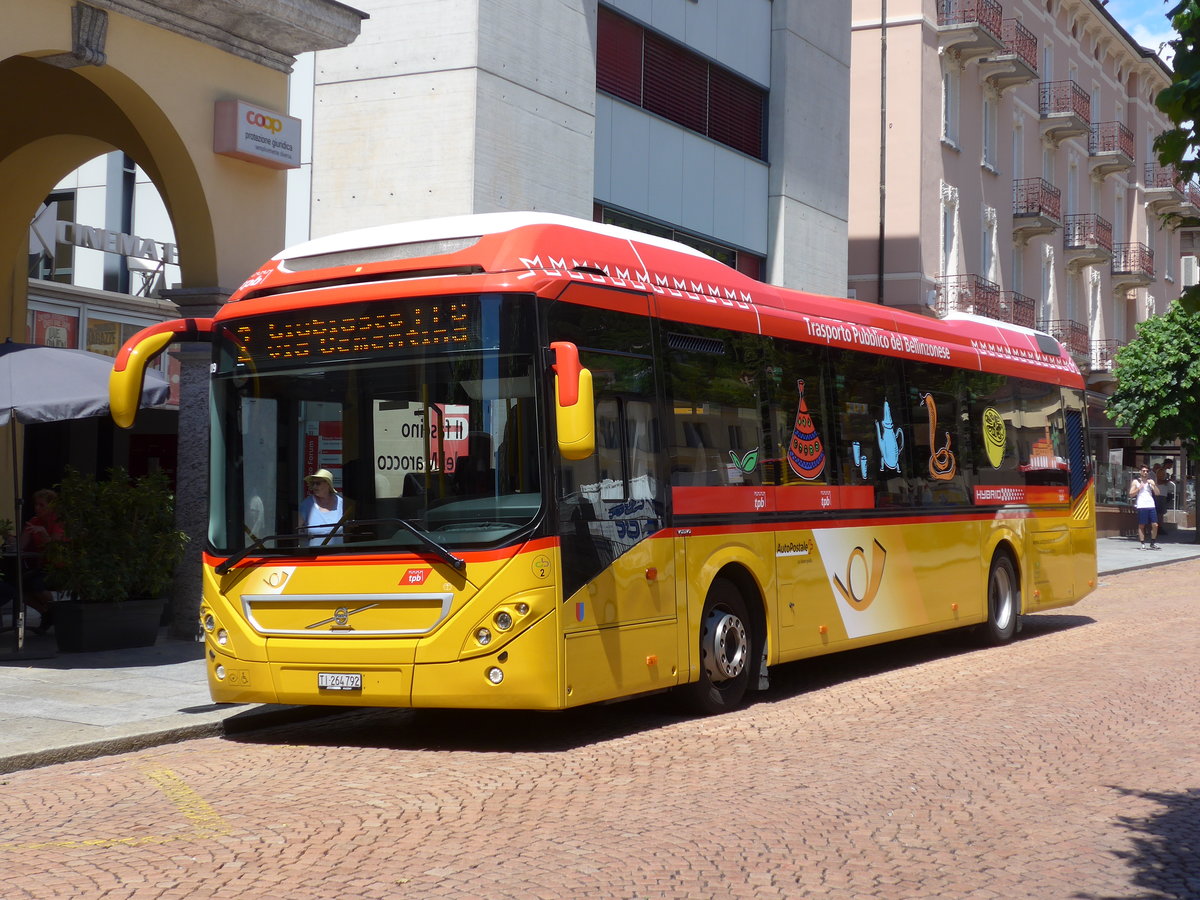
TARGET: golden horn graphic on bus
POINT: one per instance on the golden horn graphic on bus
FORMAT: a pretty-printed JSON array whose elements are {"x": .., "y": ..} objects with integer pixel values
[
  {"x": 942, "y": 464},
  {"x": 878, "y": 558}
]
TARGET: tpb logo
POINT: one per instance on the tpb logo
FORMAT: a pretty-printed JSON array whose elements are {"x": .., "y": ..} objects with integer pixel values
[{"x": 256, "y": 118}]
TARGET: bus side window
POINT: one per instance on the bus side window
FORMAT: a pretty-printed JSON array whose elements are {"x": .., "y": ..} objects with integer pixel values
[
  {"x": 940, "y": 440},
  {"x": 799, "y": 445},
  {"x": 713, "y": 380},
  {"x": 874, "y": 439}
]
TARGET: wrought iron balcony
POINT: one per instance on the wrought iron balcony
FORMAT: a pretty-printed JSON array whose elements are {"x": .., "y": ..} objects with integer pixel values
[
  {"x": 968, "y": 294},
  {"x": 1018, "y": 309},
  {"x": 1069, "y": 333},
  {"x": 969, "y": 28},
  {"x": 1037, "y": 208},
  {"x": 1104, "y": 354},
  {"x": 1110, "y": 148},
  {"x": 1132, "y": 266},
  {"x": 1165, "y": 189},
  {"x": 1016, "y": 62},
  {"x": 1087, "y": 240},
  {"x": 1066, "y": 110}
]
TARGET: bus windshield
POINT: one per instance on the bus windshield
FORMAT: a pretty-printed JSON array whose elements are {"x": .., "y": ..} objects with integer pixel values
[{"x": 422, "y": 413}]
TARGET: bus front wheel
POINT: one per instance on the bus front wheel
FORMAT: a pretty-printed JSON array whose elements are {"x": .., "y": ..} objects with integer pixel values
[
  {"x": 1003, "y": 599},
  {"x": 726, "y": 652}
]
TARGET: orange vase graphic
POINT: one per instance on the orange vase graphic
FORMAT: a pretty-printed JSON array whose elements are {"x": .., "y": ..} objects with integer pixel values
[{"x": 806, "y": 453}]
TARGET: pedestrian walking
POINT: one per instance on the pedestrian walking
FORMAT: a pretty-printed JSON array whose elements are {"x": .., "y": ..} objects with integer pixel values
[{"x": 1144, "y": 491}]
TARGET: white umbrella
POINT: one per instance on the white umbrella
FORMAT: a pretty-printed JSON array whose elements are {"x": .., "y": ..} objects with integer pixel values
[{"x": 50, "y": 384}]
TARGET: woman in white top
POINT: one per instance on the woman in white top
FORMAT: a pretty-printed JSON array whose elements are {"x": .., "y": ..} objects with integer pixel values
[
  {"x": 321, "y": 509},
  {"x": 1143, "y": 491}
]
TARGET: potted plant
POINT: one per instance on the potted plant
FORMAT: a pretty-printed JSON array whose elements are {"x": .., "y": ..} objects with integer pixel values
[{"x": 118, "y": 556}]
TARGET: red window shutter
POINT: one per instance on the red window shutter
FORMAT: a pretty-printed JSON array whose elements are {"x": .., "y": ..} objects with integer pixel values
[
  {"x": 736, "y": 113},
  {"x": 676, "y": 83},
  {"x": 619, "y": 56}
]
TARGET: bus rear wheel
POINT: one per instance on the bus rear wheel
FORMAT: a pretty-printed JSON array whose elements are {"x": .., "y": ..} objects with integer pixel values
[
  {"x": 1004, "y": 601},
  {"x": 726, "y": 652}
]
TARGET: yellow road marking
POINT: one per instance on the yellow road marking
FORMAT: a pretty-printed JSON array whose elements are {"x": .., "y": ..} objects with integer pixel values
[{"x": 205, "y": 820}]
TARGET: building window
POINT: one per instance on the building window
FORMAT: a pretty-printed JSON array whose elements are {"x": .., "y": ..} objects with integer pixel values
[
  {"x": 744, "y": 261},
  {"x": 988, "y": 257},
  {"x": 49, "y": 260},
  {"x": 665, "y": 78},
  {"x": 989, "y": 133},
  {"x": 950, "y": 103},
  {"x": 950, "y": 241}
]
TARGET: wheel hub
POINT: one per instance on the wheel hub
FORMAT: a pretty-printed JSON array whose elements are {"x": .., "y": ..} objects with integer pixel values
[{"x": 725, "y": 646}]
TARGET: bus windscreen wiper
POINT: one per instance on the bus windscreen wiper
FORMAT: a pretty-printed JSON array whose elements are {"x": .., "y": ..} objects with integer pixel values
[
  {"x": 456, "y": 562},
  {"x": 259, "y": 544}
]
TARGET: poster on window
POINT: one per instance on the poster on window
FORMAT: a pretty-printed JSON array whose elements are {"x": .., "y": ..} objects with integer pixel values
[
  {"x": 103, "y": 336},
  {"x": 55, "y": 330}
]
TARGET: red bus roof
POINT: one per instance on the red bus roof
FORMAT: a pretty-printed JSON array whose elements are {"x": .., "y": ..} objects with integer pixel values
[{"x": 543, "y": 253}]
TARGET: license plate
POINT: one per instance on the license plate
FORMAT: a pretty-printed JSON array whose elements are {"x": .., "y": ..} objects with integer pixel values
[{"x": 339, "y": 681}]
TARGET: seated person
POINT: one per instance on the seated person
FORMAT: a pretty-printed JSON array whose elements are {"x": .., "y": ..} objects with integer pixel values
[{"x": 42, "y": 528}]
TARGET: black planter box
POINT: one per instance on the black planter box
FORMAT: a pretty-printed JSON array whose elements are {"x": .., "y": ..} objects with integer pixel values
[{"x": 83, "y": 627}]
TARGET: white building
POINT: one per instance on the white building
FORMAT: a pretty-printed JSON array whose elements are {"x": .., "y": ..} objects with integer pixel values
[{"x": 723, "y": 123}]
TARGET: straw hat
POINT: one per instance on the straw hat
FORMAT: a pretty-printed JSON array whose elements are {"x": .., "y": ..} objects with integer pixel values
[{"x": 319, "y": 475}]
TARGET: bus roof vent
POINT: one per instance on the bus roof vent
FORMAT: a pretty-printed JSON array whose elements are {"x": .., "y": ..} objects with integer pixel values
[
  {"x": 691, "y": 344},
  {"x": 1048, "y": 344},
  {"x": 368, "y": 255}
]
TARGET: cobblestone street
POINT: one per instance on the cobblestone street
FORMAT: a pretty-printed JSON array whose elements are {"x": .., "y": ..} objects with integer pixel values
[{"x": 1064, "y": 766}]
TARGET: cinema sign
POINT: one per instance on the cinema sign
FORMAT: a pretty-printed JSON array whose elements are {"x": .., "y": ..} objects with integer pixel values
[{"x": 115, "y": 242}]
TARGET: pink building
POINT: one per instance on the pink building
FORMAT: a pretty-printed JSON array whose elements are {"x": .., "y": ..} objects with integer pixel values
[{"x": 1001, "y": 165}]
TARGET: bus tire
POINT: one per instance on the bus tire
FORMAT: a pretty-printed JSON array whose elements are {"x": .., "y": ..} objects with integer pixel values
[
  {"x": 726, "y": 652},
  {"x": 1003, "y": 600}
]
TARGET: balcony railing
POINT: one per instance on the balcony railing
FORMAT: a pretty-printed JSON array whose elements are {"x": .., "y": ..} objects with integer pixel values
[
  {"x": 1065, "y": 98},
  {"x": 968, "y": 294},
  {"x": 1018, "y": 309},
  {"x": 1069, "y": 333},
  {"x": 1020, "y": 41},
  {"x": 987, "y": 13},
  {"x": 1036, "y": 197},
  {"x": 1104, "y": 354},
  {"x": 1133, "y": 259},
  {"x": 1085, "y": 231},
  {"x": 1159, "y": 177},
  {"x": 1111, "y": 137}
]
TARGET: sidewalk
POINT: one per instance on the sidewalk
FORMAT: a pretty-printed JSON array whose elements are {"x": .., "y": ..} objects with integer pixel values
[{"x": 82, "y": 705}]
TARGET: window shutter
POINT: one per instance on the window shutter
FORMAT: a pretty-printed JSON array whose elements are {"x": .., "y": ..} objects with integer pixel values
[{"x": 619, "y": 56}]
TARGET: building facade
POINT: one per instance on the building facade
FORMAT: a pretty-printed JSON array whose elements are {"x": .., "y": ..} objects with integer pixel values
[
  {"x": 723, "y": 124},
  {"x": 1001, "y": 165},
  {"x": 110, "y": 100}
]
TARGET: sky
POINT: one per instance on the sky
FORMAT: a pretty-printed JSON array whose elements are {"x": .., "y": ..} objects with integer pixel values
[{"x": 1146, "y": 22}]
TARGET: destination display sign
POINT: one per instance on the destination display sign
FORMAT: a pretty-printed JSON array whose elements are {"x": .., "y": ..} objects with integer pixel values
[{"x": 313, "y": 336}]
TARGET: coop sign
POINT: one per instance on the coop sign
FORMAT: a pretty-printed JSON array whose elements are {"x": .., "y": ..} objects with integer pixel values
[{"x": 256, "y": 134}]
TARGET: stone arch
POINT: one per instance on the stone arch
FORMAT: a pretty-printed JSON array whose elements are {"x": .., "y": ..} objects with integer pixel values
[{"x": 66, "y": 118}]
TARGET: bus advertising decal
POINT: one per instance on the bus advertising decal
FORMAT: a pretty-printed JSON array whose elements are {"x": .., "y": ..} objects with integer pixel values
[
  {"x": 806, "y": 453},
  {"x": 768, "y": 498},
  {"x": 868, "y": 580},
  {"x": 942, "y": 464},
  {"x": 1002, "y": 495},
  {"x": 871, "y": 338}
]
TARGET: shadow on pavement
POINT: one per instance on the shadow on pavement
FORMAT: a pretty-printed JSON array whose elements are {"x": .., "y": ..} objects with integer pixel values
[
  {"x": 1165, "y": 859},
  {"x": 515, "y": 731}
]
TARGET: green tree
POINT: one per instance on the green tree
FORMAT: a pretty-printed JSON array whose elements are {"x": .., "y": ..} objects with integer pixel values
[
  {"x": 1158, "y": 381},
  {"x": 1180, "y": 146}
]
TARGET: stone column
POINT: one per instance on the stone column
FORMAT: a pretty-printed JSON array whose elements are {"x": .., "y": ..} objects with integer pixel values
[{"x": 191, "y": 479}]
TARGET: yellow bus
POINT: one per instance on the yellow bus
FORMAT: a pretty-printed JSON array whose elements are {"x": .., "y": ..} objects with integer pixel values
[{"x": 573, "y": 463}]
